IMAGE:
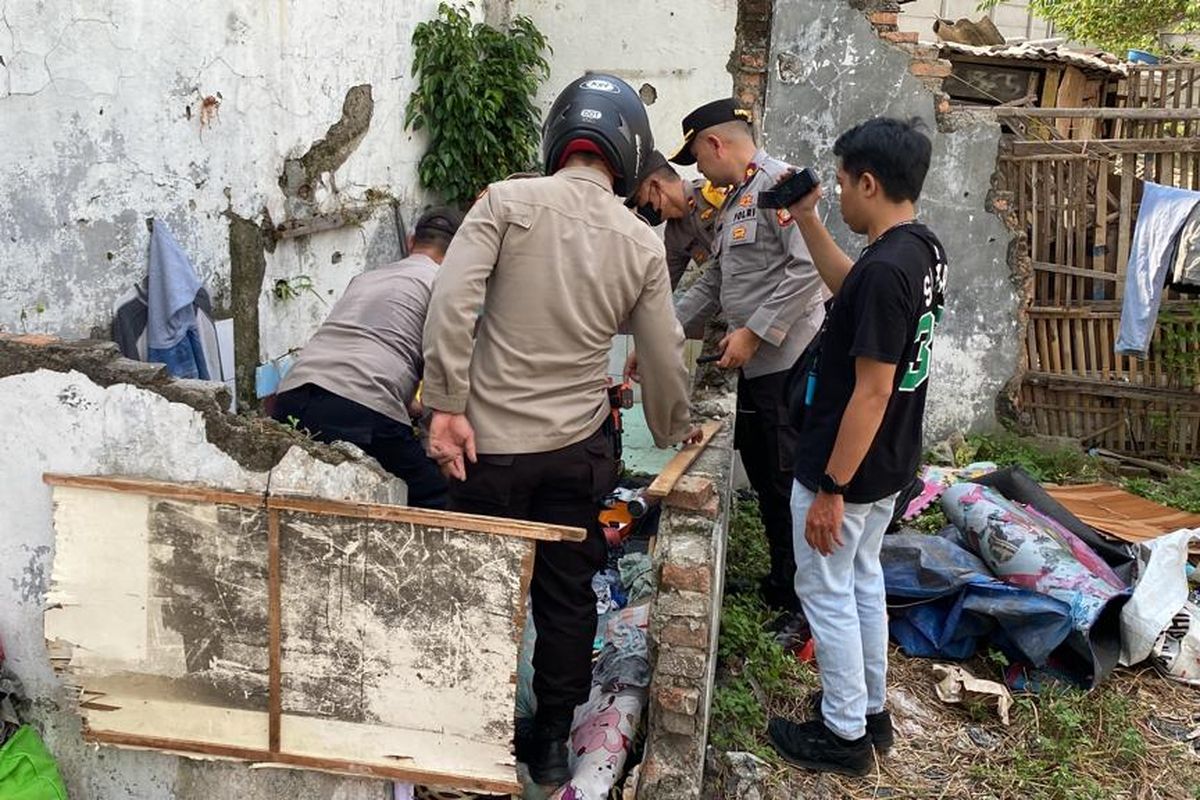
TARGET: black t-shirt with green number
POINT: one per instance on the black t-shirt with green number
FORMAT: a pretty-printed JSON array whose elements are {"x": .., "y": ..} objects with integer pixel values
[{"x": 887, "y": 309}]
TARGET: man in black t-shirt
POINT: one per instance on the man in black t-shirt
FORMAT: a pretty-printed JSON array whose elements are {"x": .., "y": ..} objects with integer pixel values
[{"x": 859, "y": 407}]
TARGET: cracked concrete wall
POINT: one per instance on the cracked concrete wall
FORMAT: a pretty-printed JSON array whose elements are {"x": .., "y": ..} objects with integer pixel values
[
  {"x": 828, "y": 71},
  {"x": 223, "y": 114},
  {"x": 112, "y": 416},
  {"x": 112, "y": 111}
]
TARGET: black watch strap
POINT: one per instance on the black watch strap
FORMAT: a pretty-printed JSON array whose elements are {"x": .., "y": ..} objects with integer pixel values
[{"x": 829, "y": 486}]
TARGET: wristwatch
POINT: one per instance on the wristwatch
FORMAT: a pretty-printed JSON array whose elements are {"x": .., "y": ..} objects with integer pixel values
[{"x": 830, "y": 486}]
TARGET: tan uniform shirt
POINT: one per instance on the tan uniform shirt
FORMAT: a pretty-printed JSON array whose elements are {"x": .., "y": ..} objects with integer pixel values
[
  {"x": 766, "y": 281},
  {"x": 527, "y": 301},
  {"x": 369, "y": 348},
  {"x": 690, "y": 238}
]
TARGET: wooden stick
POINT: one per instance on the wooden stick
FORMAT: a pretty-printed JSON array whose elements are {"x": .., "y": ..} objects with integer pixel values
[
  {"x": 474, "y": 523},
  {"x": 665, "y": 482},
  {"x": 275, "y": 646},
  {"x": 1096, "y": 113},
  {"x": 418, "y": 776}
]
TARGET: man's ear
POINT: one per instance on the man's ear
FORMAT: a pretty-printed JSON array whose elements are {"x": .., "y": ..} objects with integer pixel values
[
  {"x": 715, "y": 143},
  {"x": 869, "y": 185}
]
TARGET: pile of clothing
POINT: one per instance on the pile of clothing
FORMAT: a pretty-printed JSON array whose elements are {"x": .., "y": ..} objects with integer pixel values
[
  {"x": 604, "y": 737},
  {"x": 1015, "y": 570}
]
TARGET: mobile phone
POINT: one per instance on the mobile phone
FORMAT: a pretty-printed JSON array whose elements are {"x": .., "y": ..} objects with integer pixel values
[
  {"x": 800, "y": 183},
  {"x": 708, "y": 359}
]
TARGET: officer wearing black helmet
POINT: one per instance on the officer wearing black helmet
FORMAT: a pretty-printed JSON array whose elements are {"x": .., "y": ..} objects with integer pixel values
[{"x": 521, "y": 411}]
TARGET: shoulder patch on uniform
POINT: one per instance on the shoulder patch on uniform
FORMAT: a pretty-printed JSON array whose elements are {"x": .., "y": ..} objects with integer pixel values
[{"x": 783, "y": 216}]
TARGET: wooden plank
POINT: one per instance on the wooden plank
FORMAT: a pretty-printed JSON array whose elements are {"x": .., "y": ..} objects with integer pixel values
[
  {"x": 263, "y": 758},
  {"x": 377, "y": 511},
  {"x": 1140, "y": 114},
  {"x": 1107, "y": 352},
  {"x": 174, "y": 491},
  {"x": 679, "y": 463},
  {"x": 1043, "y": 349},
  {"x": 1100, "y": 231},
  {"x": 430, "y": 517},
  {"x": 1070, "y": 93},
  {"x": 274, "y": 617},
  {"x": 1125, "y": 224},
  {"x": 1101, "y": 387},
  {"x": 1029, "y": 150}
]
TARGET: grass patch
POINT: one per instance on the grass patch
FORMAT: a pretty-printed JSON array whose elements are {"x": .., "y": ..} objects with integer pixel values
[
  {"x": 1178, "y": 491},
  {"x": 1073, "y": 746},
  {"x": 1045, "y": 463},
  {"x": 756, "y": 678}
]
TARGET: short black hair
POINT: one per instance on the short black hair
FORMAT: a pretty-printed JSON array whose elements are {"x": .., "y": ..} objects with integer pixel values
[
  {"x": 437, "y": 226},
  {"x": 896, "y": 152}
]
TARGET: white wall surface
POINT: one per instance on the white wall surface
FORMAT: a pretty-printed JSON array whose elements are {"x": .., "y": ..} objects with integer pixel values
[
  {"x": 63, "y": 422},
  {"x": 679, "y": 48},
  {"x": 102, "y": 127}
]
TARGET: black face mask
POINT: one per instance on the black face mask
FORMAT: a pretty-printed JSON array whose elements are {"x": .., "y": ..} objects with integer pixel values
[{"x": 650, "y": 214}]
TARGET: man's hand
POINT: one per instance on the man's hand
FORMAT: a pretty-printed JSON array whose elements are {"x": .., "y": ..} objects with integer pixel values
[
  {"x": 693, "y": 436},
  {"x": 737, "y": 348},
  {"x": 631, "y": 368},
  {"x": 823, "y": 526},
  {"x": 806, "y": 204},
  {"x": 451, "y": 443}
]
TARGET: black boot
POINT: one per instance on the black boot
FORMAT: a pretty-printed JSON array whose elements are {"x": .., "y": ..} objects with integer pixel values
[{"x": 548, "y": 765}]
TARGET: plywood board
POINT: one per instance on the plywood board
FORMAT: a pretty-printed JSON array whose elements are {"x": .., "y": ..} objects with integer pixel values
[
  {"x": 1118, "y": 513},
  {"x": 198, "y": 622}
]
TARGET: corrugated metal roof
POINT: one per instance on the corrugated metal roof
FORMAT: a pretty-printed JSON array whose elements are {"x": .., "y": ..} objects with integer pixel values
[{"x": 1025, "y": 52}]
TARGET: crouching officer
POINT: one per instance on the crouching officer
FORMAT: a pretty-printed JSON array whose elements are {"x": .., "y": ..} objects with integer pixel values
[
  {"x": 556, "y": 264},
  {"x": 772, "y": 298},
  {"x": 689, "y": 208}
]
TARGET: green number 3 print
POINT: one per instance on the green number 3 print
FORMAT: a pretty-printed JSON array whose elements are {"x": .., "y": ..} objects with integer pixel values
[{"x": 918, "y": 370}]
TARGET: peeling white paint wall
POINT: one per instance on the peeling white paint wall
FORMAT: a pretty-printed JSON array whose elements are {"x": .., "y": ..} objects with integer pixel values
[
  {"x": 103, "y": 124},
  {"x": 63, "y": 422},
  {"x": 679, "y": 49},
  {"x": 102, "y": 119},
  {"x": 829, "y": 70}
]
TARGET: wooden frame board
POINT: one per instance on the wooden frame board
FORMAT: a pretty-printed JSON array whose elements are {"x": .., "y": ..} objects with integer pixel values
[{"x": 349, "y": 637}]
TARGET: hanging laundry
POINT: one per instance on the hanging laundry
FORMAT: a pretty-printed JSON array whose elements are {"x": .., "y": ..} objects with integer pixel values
[
  {"x": 172, "y": 333},
  {"x": 129, "y": 330},
  {"x": 1161, "y": 217},
  {"x": 1185, "y": 265}
]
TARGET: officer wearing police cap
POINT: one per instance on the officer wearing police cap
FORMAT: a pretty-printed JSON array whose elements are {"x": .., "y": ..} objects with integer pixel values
[{"x": 772, "y": 298}]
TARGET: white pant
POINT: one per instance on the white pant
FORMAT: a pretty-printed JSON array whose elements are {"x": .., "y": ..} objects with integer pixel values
[{"x": 844, "y": 600}]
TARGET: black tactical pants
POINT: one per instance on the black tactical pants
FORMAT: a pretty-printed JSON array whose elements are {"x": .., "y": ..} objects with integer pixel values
[
  {"x": 561, "y": 487},
  {"x": 766, "y": 440}
]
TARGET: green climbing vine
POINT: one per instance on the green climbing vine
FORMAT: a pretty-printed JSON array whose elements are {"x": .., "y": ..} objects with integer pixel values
[
  {"x": 1179, "y": 344},
  {"x": 475, "y": 97}
]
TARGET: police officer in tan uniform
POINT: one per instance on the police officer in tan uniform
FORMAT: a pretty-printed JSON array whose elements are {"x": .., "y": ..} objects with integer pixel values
[
  {"x": 521, "y": 418},
  {"x": 772, "y": 298},
  {"x": 689, "y": 208}
]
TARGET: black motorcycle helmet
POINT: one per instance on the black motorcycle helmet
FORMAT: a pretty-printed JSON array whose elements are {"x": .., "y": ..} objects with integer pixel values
[{"x": 605, "y": 111}]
